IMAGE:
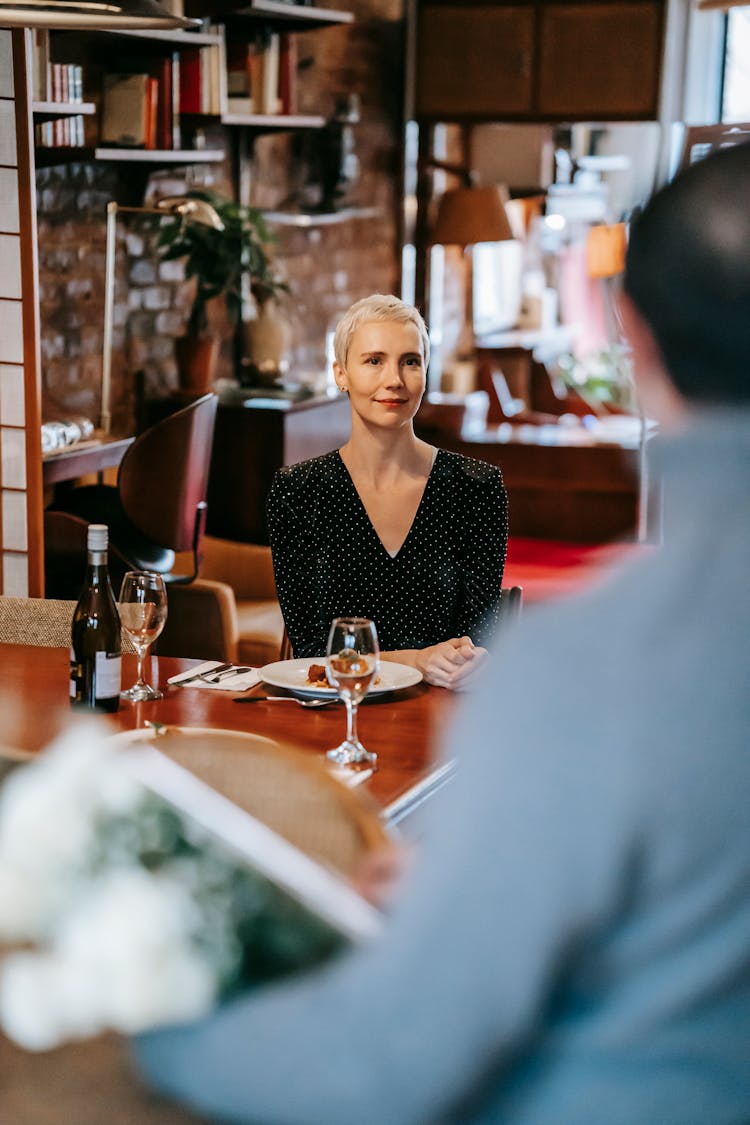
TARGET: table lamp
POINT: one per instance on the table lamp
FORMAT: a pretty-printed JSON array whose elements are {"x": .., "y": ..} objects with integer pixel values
[
  {"x": 191, "y": 211},
  {"x": 467, "y": 215},
  {"x": 115, "y": 15}
]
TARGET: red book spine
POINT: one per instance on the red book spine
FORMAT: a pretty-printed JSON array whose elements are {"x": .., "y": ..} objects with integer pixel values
[
  {"x": 288, "y": 74},
  {"x": 190, "y": 81},
  {"x": 151, "y": 112},
  {"x": 163, "y": 75}
]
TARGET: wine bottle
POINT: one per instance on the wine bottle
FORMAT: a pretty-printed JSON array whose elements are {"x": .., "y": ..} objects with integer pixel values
[{"x": 95, "y": 654}]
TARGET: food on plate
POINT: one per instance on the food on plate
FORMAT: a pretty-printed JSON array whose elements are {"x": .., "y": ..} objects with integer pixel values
[
  {"x": 344, "y": 662},
  {"x": 316, "y": 676}
]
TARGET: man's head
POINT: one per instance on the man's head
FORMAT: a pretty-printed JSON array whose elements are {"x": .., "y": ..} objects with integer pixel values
[{"x": 688, "y": 275}]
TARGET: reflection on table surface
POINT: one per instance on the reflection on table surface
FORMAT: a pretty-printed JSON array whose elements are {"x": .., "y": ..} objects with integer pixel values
[
  {"x": 92, "y": 1082},
  {"x": 401, "y": 727}
]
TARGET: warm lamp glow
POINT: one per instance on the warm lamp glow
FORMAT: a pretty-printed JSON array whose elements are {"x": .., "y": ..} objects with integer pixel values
[
  {"x": 93, "y": 14},
  {"x": 472, "y": 214},
  {"x": 605, "y": 250}
]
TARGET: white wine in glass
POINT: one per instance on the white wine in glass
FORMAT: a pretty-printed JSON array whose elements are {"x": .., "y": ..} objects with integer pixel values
[
  {"x": 143, "y": 614},
  {"x": 352, "y": 662}
]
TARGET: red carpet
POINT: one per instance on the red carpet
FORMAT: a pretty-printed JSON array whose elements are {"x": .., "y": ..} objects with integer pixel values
[{"x": 548, "y": 568}]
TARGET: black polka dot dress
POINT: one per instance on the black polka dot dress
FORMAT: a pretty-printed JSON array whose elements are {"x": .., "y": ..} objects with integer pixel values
[{"x": 329, "y": 562}]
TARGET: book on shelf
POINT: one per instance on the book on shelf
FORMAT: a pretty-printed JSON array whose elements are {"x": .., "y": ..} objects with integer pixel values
[
  {"x": 176, "y": 129},
  {"x": 288, "y": 63},
  {"x": 203, "y": 87},
  {"x": 40, "y": 67},
  {"x": 262, "y": 75},
  {"x": 162, "y": 73},
  {"x": 128, "y": 110},
  {"x": 68, "y": 132}
]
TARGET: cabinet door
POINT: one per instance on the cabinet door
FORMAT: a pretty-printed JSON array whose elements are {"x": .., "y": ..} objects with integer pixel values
[
  {"x": 474, "y": 61},
  {"x": 600, "y": 61}
]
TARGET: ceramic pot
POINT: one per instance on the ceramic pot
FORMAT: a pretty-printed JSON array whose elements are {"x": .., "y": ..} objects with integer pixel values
[
  {"x": 267, "y": 342},
  {"x": 197, "y": 358}
]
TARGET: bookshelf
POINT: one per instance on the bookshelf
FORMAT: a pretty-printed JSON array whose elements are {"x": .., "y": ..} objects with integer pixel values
[
  {"x": 273, "y": 13},
  {"x": 269, "y": 122},
  {"x": 48, "y": 111}
]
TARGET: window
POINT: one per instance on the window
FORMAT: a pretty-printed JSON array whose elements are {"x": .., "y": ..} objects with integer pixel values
[{"x": 735, "y": 101}]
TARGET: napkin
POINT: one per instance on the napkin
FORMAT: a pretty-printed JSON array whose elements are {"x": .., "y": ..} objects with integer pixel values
[{"x": 238, "y": 681}]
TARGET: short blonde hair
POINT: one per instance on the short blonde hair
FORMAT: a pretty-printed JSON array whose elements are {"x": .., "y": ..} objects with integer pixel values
[{"x": 378, "y": 306}]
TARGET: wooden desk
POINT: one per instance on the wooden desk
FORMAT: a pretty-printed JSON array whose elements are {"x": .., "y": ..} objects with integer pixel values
[
  {"x": 91, "y": 1083},
  {"x": 87, "y": 457}
]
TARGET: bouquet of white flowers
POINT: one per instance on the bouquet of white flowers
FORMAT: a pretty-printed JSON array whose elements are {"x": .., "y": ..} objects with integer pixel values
[{"x": 122, "y": 912}]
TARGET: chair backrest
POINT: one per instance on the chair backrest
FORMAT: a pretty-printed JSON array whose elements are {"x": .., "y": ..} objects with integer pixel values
[
  {"x": 163, "y": 477},
  {"x": 35, "y": 621},
  {"x": 511, "y": 599},
  {"x": 65, "y": 539}
]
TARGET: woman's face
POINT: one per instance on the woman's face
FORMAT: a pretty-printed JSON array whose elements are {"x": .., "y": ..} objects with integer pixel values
[{"x": 384, "y": 373}]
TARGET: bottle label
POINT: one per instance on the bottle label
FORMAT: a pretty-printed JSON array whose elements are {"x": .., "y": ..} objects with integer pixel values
[
  {"x": 75, "y": 676},
  {"x": 108, "y": 674}
]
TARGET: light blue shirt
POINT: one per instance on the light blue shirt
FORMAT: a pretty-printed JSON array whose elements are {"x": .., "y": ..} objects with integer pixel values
[{"x": 574, "y": 948}]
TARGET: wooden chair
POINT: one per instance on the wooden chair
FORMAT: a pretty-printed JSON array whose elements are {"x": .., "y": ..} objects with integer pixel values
[
  {"x": 43, "y": 622},
  {"x": 36, "y": 621},
  {"x": 511, "y": 599},
  {"x": 290, "y": 790},
  {"x": 158, "y": 507}
]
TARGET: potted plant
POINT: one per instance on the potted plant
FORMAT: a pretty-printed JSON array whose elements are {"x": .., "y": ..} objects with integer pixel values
[{"x": 223, "y": 263}]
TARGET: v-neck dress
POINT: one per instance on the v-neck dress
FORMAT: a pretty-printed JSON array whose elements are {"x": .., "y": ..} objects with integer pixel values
[{"x": 443, "y": 582}]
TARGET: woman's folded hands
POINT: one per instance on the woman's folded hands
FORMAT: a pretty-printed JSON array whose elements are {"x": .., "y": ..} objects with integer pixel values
[{"x": 449, "y": 664}]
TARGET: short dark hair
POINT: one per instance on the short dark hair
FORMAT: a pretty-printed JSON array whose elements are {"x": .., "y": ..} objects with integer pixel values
[{"x": 688, "y": 273}]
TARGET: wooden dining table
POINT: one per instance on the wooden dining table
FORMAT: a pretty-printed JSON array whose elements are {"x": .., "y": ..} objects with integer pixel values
[
  {"x": 401, "y": 727},
  {"x": 91, "y": 1083}
]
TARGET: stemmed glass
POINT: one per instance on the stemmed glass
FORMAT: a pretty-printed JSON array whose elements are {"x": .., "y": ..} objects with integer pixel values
[
  {"x": 143, "y": 614},
  {"x": 352, "y": 662}
]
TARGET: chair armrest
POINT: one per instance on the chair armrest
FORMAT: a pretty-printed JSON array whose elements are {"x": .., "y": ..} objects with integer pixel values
[
  {"x": 246, "y": 567},
  {"x": 201, "y": 621}
]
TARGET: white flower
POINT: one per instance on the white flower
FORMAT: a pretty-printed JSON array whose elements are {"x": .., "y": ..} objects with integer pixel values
[
  {"x": 123, "y": 960},
  {"x": 38, "y": 1004},
  {"x": 131, "y": 939},
  {"x": 48, "y": 812}
]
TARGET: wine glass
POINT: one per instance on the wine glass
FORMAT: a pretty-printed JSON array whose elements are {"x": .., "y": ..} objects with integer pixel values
[
  {"x": 352, "y": 662},
  {"x": 143, "y": 613}
]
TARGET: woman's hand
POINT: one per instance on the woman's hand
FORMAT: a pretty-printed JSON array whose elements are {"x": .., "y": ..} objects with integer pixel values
[{"x": 450, "y": 664}]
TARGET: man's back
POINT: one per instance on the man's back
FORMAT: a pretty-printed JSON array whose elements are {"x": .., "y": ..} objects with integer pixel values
[
  {"x": 622, "y": 784},
  {"x": 575, "y": 949}
]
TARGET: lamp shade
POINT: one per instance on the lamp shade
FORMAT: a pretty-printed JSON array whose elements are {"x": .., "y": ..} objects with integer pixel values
[
  {"x": 605, "y": 250},
  {"x": 92, "y": 14},
  {"x": 472, "y": 214}
]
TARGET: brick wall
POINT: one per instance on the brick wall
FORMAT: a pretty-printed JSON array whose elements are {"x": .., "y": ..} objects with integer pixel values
[{"x": 327, "y": 267}]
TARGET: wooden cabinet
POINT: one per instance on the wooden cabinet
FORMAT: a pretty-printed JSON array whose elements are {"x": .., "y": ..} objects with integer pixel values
[
  {"x": 474, "y": 61},
  {"x": 542, "y": 60},
  {"x": 252, "y": 441},
  {"x": 599, "y": 61}
]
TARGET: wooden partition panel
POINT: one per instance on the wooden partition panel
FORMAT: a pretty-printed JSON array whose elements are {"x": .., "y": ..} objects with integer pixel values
[{"x": 21, "y": 550}]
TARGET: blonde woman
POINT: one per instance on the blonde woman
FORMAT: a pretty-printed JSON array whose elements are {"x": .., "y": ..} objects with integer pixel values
[{"x": 387, "y": 526}]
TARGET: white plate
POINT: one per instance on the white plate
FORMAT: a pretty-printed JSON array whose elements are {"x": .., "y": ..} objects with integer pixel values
[
  {"x": 292, "y": 675},
  {"x": 216, "y": 734}
]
